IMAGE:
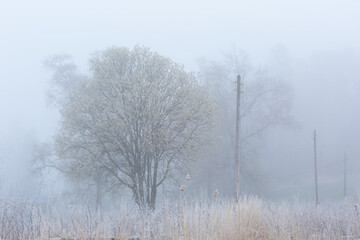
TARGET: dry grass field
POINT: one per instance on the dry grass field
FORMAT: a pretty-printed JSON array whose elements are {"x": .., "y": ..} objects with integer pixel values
[{"x": 251, "y": 218}]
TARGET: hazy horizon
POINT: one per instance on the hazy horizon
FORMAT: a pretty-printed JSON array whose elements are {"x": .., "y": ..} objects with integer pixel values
[{"x": 314, "y": 46}]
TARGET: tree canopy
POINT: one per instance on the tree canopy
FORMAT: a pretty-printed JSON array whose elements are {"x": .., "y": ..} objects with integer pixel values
[{"x": 138, "y": 117}]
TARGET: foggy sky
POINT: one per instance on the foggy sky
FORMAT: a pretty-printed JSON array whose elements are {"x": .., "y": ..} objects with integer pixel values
[{"x": 321, "y": 39}]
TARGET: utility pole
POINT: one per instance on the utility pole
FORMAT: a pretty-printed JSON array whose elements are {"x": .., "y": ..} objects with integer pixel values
[
  {"x": 344, "y": 174},
  {"x": 316, "y": 179},
  {"x": 237, "y": 163}
]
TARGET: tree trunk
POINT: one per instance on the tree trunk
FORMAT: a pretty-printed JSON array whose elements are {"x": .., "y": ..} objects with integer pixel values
[
  {"x": 153, "y": 186},
  {"x": 99, "y": 194}
]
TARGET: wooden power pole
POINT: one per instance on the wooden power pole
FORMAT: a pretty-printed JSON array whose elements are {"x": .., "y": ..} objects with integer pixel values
[
  {"x": 316, "y": 179},
  {"x": 345, "y": 175},
  {"x": 237, "y": 163}
]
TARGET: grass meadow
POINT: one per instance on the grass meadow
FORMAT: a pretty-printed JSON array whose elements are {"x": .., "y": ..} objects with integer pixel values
[{"x": 250, "y": 218}]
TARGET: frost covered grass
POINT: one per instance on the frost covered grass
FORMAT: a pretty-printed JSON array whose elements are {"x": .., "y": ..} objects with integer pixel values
[{"x": 251, "y": 218}]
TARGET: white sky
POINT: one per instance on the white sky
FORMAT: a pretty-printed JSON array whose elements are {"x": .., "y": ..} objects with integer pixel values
[{"x": 184, "y": 30}]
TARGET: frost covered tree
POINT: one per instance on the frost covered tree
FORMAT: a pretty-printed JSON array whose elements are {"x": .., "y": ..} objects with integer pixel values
[{"x": 139, "y": 118}]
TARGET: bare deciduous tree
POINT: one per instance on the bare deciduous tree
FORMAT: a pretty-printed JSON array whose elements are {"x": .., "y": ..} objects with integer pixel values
[
  {"x": 139, "y": 118},
  {"x": 265, "y": 103}
]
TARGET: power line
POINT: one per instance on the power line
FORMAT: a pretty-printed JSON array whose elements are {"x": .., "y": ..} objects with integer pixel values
[
  {"x": 345, "y": 175},
  {"x": 238, "y": 142}
]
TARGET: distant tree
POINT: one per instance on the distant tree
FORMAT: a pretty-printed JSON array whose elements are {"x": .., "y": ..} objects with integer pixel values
[
  {"x": 63, "y": 84},
  {"x": 65, "y": 80},
  {"x": 45, "y": 156},
  {"x": 265, "y": 103},
  {"x": 139, "y": 118},
  {"x": 2, "y": 152},
  {"x": 3, "y": 155}
]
